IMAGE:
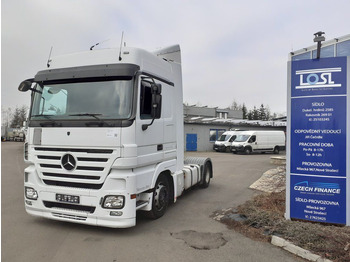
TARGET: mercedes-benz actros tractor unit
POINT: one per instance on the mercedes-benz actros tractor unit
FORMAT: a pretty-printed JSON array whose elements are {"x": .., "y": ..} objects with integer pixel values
[{"x": 106, "y": 138}]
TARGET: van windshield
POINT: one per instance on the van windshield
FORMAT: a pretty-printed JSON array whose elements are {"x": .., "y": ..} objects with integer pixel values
[
  {"x": 223, "y": 137},
  {"x": 242, "y": 138}
]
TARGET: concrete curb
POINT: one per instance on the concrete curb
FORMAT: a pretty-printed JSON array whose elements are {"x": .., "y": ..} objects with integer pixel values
[{"x": 286, "y": 245}]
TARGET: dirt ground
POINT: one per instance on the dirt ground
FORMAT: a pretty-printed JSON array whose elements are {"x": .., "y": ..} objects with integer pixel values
[{"x": 263, "y": 217}]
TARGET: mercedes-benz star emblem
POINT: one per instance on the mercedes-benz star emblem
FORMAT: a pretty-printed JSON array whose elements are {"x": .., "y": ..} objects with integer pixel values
[{"x": 68, "y": 162}]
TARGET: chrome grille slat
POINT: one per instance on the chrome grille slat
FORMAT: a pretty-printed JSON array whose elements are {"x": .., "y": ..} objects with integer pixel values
[
  {"x": 91, "y": 166},
  {"x": 74, "y": 217},
  {"x": 64, "y": 175}
]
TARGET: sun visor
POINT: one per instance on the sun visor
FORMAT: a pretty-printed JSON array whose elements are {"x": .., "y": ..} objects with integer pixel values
[{"x": 95, "y": 71}]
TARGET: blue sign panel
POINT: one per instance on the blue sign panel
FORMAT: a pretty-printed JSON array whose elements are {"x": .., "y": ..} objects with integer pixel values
[
  {"x": 318, "y": 140},
  {"x": 318, "y": 199}
]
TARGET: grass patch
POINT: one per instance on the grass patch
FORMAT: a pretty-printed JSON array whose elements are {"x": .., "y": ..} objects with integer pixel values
[{"x": 264, "y": 216}]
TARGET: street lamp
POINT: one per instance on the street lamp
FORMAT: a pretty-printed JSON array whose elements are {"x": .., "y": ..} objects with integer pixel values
[{"x": 318, "y": 39}]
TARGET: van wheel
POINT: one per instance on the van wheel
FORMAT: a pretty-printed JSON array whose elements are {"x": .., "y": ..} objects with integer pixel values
[
  {"x": 247, "y": 150},
  {"x": 160, "y": 200},
  {"x": 207, "y": 173},
  {"x": 228, "y": 149},
  {"x": 276, "y": 150}
]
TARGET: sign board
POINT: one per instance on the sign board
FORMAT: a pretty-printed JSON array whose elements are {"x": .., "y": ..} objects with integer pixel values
[{"x": 318, "y": 140}]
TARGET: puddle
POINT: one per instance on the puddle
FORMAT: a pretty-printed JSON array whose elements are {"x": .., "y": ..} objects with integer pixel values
[{"x": 201, "y": 240}]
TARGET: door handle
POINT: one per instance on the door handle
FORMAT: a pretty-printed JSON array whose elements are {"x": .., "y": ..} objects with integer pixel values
[{"x": 159, "y": 147}]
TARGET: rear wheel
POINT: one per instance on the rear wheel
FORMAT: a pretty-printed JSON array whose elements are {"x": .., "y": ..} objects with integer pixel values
[
  {"x": 161, "y": 196},
  {"x": 207, "y": 173},
  {"x": 276, "y": 150}
]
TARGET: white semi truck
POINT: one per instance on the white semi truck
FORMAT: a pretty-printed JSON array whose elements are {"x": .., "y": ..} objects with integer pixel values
[{"x": 105, "y": 137}]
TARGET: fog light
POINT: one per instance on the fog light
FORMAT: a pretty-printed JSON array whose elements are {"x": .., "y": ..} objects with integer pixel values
[
  {"x": 29, "y": 203},
  {"x": 113, "y": 202},
  {"x": 116, "y": 213},
  {"x": 31, "y": 193}
]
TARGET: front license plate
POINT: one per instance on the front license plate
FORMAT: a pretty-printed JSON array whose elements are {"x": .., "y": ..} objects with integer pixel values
[{"x": 67, "y": 198}]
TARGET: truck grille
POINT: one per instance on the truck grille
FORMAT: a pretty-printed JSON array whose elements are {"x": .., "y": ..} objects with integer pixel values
[{"x": 90, "y": 168}]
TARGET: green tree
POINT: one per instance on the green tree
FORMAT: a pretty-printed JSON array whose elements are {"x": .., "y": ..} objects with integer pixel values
[
  {"x": 19, "y": 115},
  {"x": 255, "y": 114},
  {"x": 244, "y": 111},
  {"x": 262, "y": 112}
]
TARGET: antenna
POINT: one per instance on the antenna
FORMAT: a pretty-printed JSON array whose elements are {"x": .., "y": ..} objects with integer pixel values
[
  {"x": 121, "y": 44},
  {"x": 92, "y": 47},
  {"x": 48, "y": 60}
]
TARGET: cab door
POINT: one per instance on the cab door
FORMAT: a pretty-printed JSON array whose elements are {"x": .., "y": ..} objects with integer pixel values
[{"x": 149, "y": 123}]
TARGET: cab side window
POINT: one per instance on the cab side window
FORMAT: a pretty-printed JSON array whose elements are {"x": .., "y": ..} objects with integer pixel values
[
  {"x": 146, "y": 99},
  {"x": 232, "y": 138},
  {"x": 252, "y": 139}
]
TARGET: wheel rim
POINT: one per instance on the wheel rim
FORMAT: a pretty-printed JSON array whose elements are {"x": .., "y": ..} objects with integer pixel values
[{"x": 160, "y": 197}]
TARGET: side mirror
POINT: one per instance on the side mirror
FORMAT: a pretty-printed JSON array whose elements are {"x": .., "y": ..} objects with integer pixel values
[
  {"x": 156, "y": 90},
  {"x": 26, "y": 85}
]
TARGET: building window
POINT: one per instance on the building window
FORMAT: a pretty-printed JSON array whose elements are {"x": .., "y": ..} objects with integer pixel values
[
  {"x": 343, "y": 48},
  {"x": 303, "y": 56},
  {"x": 221, "y": 115},
  {"x": 327, "y": 51},
  {"x": 214, "y": 134}
]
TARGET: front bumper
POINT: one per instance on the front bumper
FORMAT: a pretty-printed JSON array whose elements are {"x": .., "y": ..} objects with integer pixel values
[
  {"x": 219, "y": 148},
  {"x": 237, "y": 149},
  {"x": 89, "y": 210}
]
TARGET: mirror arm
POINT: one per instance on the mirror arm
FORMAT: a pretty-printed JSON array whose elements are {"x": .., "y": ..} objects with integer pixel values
[{"x": 145, "y": 126}]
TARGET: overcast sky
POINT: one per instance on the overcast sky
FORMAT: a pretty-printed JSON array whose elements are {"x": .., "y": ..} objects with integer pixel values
[{"x": 231, "y": 50}]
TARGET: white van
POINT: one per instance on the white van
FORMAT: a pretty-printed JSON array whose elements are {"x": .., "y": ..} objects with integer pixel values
[
  {"x": 259, "y": 141},
  {"x": 223, "y": 144}
]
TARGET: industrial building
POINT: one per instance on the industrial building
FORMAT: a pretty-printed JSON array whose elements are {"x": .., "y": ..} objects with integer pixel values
[{"x": 204, "y": 125}]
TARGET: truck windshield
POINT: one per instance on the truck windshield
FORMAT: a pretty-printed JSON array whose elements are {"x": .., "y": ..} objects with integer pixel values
[
  {"x": 242, "y": 138},
  {"x": 68, "y": 101}
]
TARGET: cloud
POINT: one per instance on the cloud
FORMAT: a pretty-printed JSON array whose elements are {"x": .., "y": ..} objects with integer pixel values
[{"x": 230, "y": 49}]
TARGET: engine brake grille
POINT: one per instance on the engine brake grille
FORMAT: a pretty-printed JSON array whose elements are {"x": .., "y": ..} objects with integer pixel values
[{"x": 50, "y": 204}]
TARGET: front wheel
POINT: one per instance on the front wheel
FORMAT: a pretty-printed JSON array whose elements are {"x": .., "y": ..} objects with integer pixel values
[
  {"x": 161, "y": 196},
  {"x": 276, "y": 150},
  {"x": 247, "y": 150}
]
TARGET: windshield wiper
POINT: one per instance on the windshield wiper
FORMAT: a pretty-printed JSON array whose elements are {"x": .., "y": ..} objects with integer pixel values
[
  {"x": 94, "y": 115},
  {"x": 52, "y": 122}
]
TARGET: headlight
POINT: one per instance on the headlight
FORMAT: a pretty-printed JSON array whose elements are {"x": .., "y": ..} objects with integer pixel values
[
  {"x": 113, "y": 202},
  {"x": 31, "y": 193}
]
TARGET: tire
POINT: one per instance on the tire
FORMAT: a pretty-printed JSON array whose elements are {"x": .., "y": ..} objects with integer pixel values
[
  {"x": 161, "y": 196},
  {"x": 276, "y": 151},
  {"x": 228, "y": 149},
  {"x": 247, "y": 151},
  {"x": 207, "y": 174}
]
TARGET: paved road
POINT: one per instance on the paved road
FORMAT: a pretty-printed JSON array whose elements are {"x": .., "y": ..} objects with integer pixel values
[{"x": 27, "y": 238}]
